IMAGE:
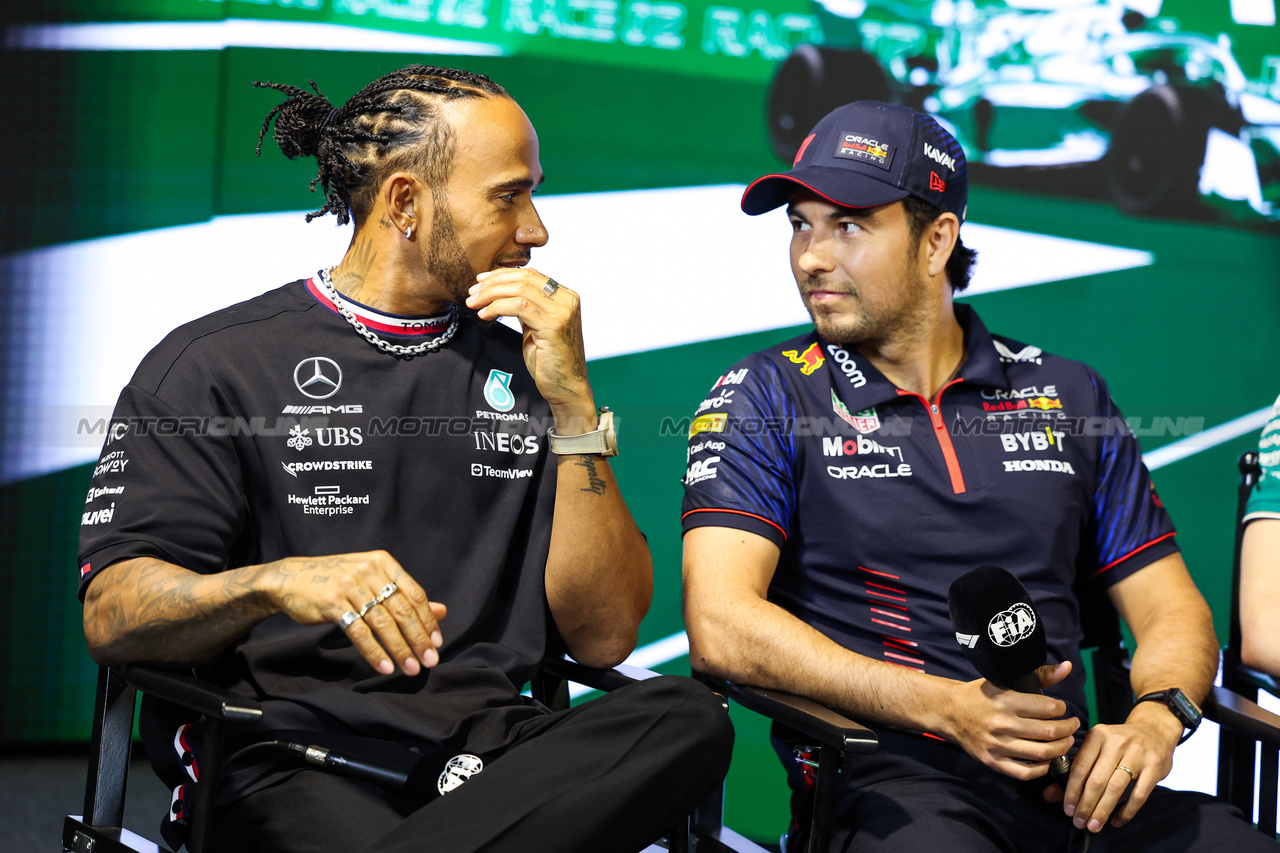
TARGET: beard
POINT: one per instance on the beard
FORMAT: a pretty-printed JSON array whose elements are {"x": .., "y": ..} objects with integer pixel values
[
  {"x": 446, "y": 259},
  {"x": 842, "y": 329},
  {"x": 875, "y": 322}
]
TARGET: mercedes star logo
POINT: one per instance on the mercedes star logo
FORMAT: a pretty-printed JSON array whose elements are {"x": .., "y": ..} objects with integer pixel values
[{"x": 318, "y": 377}]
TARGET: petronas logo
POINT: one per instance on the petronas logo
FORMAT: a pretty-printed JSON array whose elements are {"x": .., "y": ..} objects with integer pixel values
[{"x": 497, "y": 391}]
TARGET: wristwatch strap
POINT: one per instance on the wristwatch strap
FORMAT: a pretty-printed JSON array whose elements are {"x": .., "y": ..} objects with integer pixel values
[
  {"x": 601, "y": 441},
  {"x": 1179, "y": 705}
]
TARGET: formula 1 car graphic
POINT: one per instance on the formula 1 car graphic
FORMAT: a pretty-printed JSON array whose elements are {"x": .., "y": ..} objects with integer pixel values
[{"x": 1169, "y": 117}]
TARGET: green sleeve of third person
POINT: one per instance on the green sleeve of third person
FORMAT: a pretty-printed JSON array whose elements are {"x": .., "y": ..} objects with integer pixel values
[{"x": 1265, "y": 500}]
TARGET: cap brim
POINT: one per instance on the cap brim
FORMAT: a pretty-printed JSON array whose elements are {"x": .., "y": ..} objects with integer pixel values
[{"x": 838, "y": 186}]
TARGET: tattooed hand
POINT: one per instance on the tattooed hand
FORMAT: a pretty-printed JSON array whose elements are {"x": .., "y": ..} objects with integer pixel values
[
  {"x": 404, "y": 628},
  {"x": 553, "y": 350},
  {"x": 145, "y": 610}
]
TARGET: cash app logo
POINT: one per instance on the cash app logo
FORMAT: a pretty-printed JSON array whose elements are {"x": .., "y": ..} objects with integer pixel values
[{"x": 497, "y": 391}]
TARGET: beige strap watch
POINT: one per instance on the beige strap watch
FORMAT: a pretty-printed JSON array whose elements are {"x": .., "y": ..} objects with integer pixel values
[{"x": 601, "y": 441}]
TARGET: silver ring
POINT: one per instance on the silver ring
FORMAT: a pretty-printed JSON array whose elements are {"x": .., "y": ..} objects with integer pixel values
[
  {"x": 551, "y": 286},
  {"x": 373, "y": 602},
  {"x": 347, "y": 619},
  {"x": 1126, "y": 770},
  {"x": 385, "y": 593}
]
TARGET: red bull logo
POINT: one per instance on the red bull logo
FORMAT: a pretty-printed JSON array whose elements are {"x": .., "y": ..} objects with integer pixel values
[
  {"x": 809, "y": 360},
  {"x": 1045, "y": 403},
  {"x": 1004, "y": 406}
]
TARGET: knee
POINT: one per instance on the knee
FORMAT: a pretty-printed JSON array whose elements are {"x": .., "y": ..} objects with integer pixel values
[{"x": 691, "y": 712}]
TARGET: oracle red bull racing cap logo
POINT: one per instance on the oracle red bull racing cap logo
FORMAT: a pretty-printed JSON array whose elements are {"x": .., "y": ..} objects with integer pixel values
[{"x": 856, "y": 146}]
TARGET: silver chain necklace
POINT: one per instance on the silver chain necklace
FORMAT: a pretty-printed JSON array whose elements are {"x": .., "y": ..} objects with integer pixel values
[{"x": 395, "y": 349}]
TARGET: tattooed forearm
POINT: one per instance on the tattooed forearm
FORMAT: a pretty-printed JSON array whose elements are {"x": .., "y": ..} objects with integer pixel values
[
  {"x": 595, "y": 483},
  {"x": 146, "y": 610}
]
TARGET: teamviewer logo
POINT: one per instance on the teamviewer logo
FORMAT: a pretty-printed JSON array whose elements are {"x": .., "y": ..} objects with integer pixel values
[{"x": 477, "y": 470}]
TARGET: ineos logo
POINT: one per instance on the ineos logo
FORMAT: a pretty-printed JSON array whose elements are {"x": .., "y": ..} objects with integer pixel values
[
  {"x": 318, "y": 377},
  {"x": 1009, "y": 626}
]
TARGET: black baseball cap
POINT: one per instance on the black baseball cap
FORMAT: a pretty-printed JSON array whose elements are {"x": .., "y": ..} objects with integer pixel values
[{"x": 869, "y": 153}]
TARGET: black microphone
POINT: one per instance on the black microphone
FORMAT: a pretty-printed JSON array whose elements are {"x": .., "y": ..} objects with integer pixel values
[
  {"x": 393, "y": 776},
  {"x": 1000, "y": 632},
  {"x": 420, "y": 777}
]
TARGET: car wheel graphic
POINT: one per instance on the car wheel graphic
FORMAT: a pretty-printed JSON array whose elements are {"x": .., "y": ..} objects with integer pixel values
[
  {"x": 1157, "y": 148},
  {"x": 811, "y": 82}
]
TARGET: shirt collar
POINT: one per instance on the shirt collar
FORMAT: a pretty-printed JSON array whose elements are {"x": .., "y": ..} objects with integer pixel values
[
  {"x": 379, "y": 321},
  {"x": 982, "y": 365}
]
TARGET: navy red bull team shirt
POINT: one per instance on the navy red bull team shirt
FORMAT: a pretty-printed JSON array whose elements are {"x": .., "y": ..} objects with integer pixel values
[{"x": 879, "y": 498}]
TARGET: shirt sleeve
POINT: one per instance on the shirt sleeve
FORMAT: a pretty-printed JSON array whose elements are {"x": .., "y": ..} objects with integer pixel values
[
  {"x": 167, "y": 485},
  {"x": 1131, "y": 527},
  {"x": 741, "y": 455},
  {"x": 1264, "y": 502}
]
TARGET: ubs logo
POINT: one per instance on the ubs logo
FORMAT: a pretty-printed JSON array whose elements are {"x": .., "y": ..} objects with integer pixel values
[{"x": 317, "y": 377}]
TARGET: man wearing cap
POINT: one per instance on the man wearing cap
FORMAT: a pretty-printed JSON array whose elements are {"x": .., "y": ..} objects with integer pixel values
[{"x": 840, "y": 481}]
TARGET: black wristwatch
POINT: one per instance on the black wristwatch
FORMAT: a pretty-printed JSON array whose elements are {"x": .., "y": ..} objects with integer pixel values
[{"x": 1181, "y": 706}]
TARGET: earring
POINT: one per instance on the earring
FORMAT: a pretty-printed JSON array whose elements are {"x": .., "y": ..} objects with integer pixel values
[{"x": 408, "y": 231}]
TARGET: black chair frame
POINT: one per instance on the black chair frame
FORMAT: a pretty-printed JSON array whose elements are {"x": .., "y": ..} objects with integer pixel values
[
  {"x": 100, "y": 828},
  {"x": 1238, "y": 694}
]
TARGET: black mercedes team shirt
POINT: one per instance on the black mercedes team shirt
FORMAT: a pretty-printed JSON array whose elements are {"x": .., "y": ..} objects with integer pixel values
[
  {"x": 879, "y": 498},
  {"x": 271, "y": 429}
]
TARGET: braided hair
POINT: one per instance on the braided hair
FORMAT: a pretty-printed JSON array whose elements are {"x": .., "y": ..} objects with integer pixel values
[{"x": 388, "y": 126}]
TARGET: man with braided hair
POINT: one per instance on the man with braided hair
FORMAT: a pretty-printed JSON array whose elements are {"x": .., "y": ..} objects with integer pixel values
[{"x": 372, "y": 448}]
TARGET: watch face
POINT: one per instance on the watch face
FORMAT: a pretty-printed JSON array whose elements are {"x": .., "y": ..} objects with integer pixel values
[{"x": 1185, "y": 708}]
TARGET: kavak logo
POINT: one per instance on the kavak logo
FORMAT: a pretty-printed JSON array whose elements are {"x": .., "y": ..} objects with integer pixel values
[
  {"x": 318, "y": 377},
  {"x": 497, "y": 391},
  {"x": 809, "y": 360},
  {"x": 939, "y": 157}
]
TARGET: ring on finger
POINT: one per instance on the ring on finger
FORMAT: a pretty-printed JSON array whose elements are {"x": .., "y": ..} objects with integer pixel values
[
  {"x": 551, "y": 286},
  {"x": 368, "y": 605},
  {"x": 1126, "y": 770},
  {"x": 347, "y": 619},
  {"x": 386, "y": 592}
]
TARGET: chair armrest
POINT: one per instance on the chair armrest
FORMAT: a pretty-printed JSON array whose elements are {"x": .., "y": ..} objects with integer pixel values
[
  {"x": 1257, "y": 678},
  {"x": 598, "y": 679},
  {"x": 189, "y": 692},
  {"x": 1242, "y": 716},
  {"x": 806, "y": 716}
]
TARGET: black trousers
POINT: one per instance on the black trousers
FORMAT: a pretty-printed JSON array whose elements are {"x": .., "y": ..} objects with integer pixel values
[
  {"x": 612, "y": 774},
  {"x": 923, "y": 796}
]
